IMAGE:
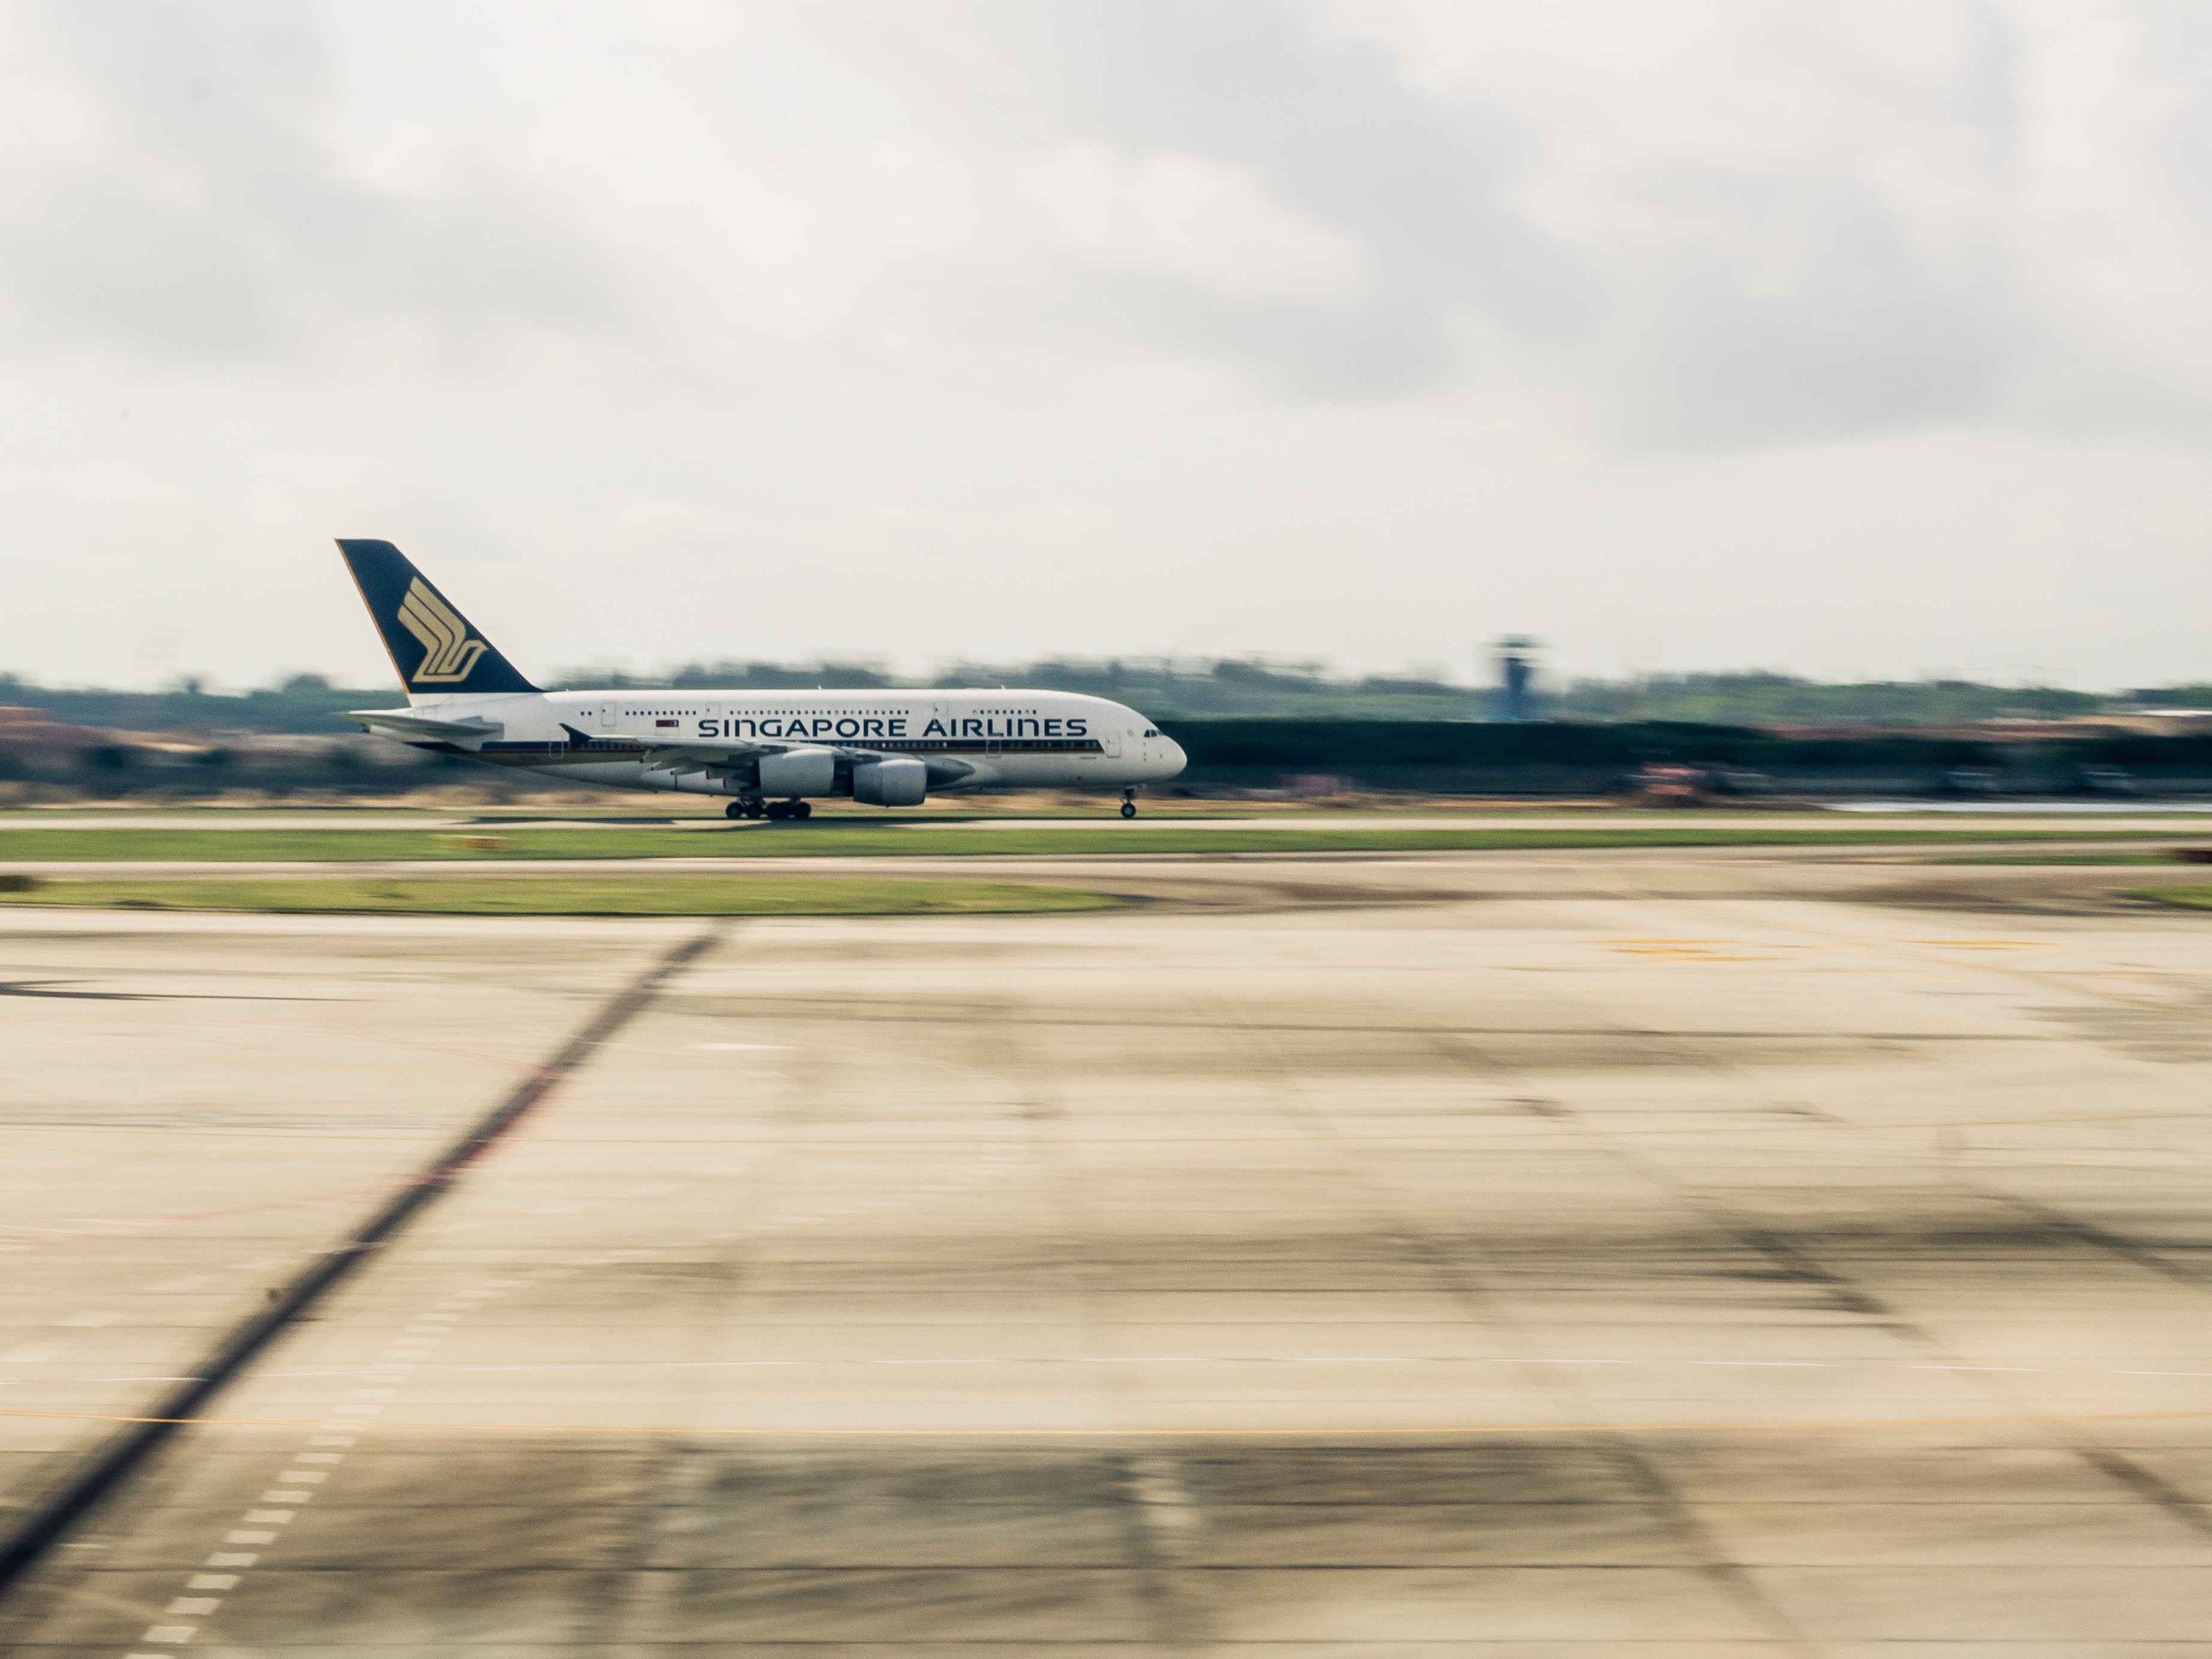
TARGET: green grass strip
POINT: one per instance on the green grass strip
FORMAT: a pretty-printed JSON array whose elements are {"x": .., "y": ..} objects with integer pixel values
[
  {"x": 567, "y": 896},
  {"x": 2194, "y": 898},
  {"x": 833, "y": 839}
]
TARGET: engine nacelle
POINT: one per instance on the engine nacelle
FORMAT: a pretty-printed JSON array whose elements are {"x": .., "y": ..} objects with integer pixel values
[
  {"x": 898, "y": 781},
  {"x": 799, "y": 772}
]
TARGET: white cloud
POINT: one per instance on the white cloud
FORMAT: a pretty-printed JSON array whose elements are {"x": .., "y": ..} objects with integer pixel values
[
  {"x": 1814, "y": 220},
  {"x": 1355, "y": 328},
  {"x": 1182, "y": 218}
]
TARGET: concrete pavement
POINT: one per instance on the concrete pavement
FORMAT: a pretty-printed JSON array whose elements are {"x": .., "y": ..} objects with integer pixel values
[{"x": 1625, "y": 1258}]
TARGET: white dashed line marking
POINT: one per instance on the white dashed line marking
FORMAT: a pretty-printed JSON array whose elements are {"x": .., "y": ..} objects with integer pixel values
[{"x": 2030, "y": 1370}]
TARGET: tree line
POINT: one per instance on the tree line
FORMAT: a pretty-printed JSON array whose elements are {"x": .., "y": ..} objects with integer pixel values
[{"x": 1225, "y": 688}]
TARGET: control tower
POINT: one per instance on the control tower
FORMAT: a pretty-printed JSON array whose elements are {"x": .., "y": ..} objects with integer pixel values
[{"x": 1517, "y": 673}]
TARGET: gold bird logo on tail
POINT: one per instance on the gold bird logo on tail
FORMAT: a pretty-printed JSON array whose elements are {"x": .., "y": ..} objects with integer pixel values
[{"x": 449, "y": 652}]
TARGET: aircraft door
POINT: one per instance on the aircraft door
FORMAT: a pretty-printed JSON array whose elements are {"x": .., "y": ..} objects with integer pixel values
[
  {"x": 1110, "y": 741},
  {"x": 606, "y": 717}
]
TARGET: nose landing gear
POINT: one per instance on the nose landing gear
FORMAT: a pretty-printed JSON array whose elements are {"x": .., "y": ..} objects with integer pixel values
[{"x": 1129, "y": 803}]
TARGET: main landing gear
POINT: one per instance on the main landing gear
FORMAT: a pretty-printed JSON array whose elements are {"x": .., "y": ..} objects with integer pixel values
[
  {"x": 1129, "y": 803},
  {"x": 752, "y": 807}
]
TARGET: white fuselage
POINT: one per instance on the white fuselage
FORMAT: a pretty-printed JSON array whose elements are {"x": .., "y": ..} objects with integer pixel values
[{"x": 969, "y": 740}]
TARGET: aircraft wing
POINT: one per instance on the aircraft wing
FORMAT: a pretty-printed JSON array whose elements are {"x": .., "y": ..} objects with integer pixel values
[
  {"x": 663, "y": 753},
  {"x": 703, "y": 748},
  {"x": 408, "y": 727},
  {"x": 694, "y": 754},
  {"x": 722, "y": 755}
]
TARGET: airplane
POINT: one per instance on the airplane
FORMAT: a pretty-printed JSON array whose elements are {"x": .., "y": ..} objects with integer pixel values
[{"x": 771, "y": 751}]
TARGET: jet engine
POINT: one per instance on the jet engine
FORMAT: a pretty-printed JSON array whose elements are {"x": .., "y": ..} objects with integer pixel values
[
  {"x": 799, "y": 772},
  {"x": 898, "y": 781}
]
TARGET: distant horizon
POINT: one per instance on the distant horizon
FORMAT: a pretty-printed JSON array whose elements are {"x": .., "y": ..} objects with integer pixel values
[{"x": 1548, "y": 683}]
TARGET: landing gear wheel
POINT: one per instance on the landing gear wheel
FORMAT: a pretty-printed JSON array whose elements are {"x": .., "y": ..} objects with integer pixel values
[
  {"x": 801, "y": 809},
  {"x": 1129, "y": 803},
  {"x": 777, "y": 810}
]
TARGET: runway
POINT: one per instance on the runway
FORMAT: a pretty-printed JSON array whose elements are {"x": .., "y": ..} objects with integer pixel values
[{"x": 1530, "y": 1254}]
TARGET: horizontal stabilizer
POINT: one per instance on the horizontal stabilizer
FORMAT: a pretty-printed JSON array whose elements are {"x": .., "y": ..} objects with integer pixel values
[{"x": 470, "y": 733}]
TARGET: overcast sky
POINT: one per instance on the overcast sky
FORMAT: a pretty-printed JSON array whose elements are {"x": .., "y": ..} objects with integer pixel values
[{"x": 1856, "y": 340}]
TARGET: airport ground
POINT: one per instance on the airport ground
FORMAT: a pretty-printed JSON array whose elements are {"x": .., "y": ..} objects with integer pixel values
[{"x": 1793, "y": 1250}]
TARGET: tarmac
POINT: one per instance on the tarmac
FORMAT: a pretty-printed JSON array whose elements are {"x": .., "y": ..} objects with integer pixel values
[
  {"x": 1487, "y": 1255},
  {"x": 1935, "y": 820}
]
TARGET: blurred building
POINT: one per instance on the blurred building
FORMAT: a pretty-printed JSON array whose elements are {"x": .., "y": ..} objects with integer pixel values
[{"x": 33, "y": 735}]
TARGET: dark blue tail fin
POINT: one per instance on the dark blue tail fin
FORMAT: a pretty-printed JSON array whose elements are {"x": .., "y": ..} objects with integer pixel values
[{"x": 432, "y": 645}]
